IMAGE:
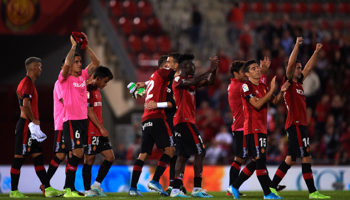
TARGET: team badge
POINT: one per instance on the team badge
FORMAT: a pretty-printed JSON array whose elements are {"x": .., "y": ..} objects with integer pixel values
[
  {"x": 262, "y": 150},
  {"x": 78, "y": 142},
  {"x": 245, "y": 87},
  {"x": 63, "y": 146}
]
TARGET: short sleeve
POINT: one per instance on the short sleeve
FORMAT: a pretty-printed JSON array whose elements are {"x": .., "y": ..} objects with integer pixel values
[
  {"x": 85, "y": 74},
  {"x": 176, "y": 81},
  {"x": 247, "y": 91},
  {"x": 27, "y": 90},
  {"x": 58, "y": 90}
]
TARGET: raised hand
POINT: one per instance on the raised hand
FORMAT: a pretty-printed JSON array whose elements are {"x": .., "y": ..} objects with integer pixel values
[
  {"x": 265, "y": 64},
  {"x": 299, "y": 41},
  {"x": 214, "y": 63},
  {"x": 72, "y": 40},
  {"x": 273, "y": 84},
  {"x": 318, "y": 47}
]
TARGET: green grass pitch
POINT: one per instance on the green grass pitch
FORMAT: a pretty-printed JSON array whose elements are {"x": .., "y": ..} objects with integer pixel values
[{"x": 289, "y": 195}]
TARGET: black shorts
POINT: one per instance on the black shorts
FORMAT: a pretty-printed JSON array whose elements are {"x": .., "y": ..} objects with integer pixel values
[
  {"x": 298, "y": 142},
  {"x": 239, "y": 143},
  {"x": 188, "y": 140},
  {"x": 75, "y": 133},
  {"x": 97, "y": 144},
  {"x": 155, "y": 131},
  {"x": 256, "y": 145},
  {"x": 24, "y": 144},
  {"x": 58, "y": 145}
]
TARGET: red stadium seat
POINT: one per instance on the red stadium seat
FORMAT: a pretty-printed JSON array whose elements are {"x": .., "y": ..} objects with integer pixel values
[
  {"x": 154, "y": 26},
  {"x": 140, "y": 26},
  {"x": 149, "y": 43},
  {"x": 245, "y": 7},
  {"x": 130, "y": 8},
  {"x": 316, "y": 8},
  {"x": 301, "y": 8},
  {"x": 145, "y": 9},
  {"x": 330, "y": 8},
  {"x": 258, "y": 7},
  {"x": 325, "y": 24},
  {"x": 116, "y": 8},
  {"x": 164, "y": 44},
  {"x": 338, "y": 25},
  {"x": 126, "y": 25},
  {"x": 135, "y": 43},
  {"x": 344, "y": 8},
  {"x": 272, "y": 7},
  {"x": 287, "y": 7}
]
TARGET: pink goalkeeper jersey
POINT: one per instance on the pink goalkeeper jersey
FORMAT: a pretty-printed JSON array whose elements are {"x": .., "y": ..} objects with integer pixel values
[
  {"x": 58, "y": 109},
  {"x": 75, "y": 96}
]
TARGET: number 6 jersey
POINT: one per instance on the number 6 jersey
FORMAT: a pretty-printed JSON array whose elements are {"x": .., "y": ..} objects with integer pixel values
[{"x": 156, "y": 91}]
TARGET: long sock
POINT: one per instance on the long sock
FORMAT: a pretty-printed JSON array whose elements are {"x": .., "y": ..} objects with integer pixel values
[
  {"x": 261, "y": 173},
  {"x": 178, "y": 182},
  {"x": 162, "y": 164},
  {"x": 245, "y": 174},
  {"x": 71, "y": 169},
  {"x": 136, "y": 172},
  {"x": 53, "y": 167},
  {"x": 280, "y": 173},
  {"x": 40, "y": 170},
  {"x": 15, "y": 172},
  {"x": 197, "y": 182},
  {"x": 172, "y": 170},
  {"x": 234, "y": 171},
  {"x": 87, "y": 176},
  {"x": 308, "y": 177},
  {"x": 102, "y": 172}
]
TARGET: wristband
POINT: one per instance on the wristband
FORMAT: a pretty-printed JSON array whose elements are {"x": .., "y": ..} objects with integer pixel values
[{"x": 162, "y": 105}]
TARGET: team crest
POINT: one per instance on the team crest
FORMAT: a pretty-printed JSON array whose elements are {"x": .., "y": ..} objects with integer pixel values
[
  {"x": 245, "y": 87},
  {"x": 63, "y": 146},
  {"x": 94, "y": 148},
  {"x": 262, "y": 150},
  {"x": 19, "y": 15},
  {"x": 78, "y": 142}
]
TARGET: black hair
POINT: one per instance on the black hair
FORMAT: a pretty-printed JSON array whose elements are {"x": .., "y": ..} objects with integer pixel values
[
  {"x": 162, "y": 60},
  {"x": 247, "y": 64},
  {"x": 176, "y": 56},
  {"x": 184, "y": 57},
  {"x": 31, "y": 60},
  {"x": 236, "y": 66},
  {"x": 103, "y": 72},
  {"x": 77, "y": 54}
]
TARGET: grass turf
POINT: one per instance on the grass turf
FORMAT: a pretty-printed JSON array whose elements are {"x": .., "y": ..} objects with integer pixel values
[{"x": 289, "y": 195}]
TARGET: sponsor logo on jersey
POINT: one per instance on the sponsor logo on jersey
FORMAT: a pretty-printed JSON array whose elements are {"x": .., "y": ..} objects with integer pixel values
[
  {"x": 245, "y": 87},
  {"x": 301, "y": 92},
  {"x": 79, "y": 85},
  {"x": 145, "y": 125},
  {"x": 98, "y": 104}
]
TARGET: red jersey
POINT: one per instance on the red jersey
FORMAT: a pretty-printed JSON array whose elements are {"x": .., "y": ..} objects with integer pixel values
[
  {"x": 295, "y": 102},
  {"x": 26, "y": 89},
  {"x": 156, "y": 91},
  {"x": 185, "y": 102},
  {"x": 235, "y": 102},
  {"x": 94, "y": 101},
  {"x": 255, "y": 121}
]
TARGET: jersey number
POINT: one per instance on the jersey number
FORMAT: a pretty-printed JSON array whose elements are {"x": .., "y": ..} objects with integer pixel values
[
  {"x": 77, "y": 134},
  {"x": 262, "y": 142},
  {"x": 95, "y": 140},
  {"x": 149, "y": 89},
  {"x": 306, "y": 141}
]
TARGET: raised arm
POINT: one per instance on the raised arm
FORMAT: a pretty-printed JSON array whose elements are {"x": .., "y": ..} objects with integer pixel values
[
  {"x": 69, "y": 58},
  {"x": 259, "y": 103},
  {"x": 95, "y": 62},
  {"x": 293, "y": 58},
  {"x": 265, "y": 65},
  {"x": 312, "y": 61},
  {"x": 277, "y": 99}
]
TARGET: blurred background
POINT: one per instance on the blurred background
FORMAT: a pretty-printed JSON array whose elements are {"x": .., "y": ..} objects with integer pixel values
[{"x": 129, "y": 36}]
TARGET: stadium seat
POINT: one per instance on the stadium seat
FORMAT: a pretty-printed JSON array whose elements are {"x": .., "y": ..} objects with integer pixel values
[
  {"x": 116, "y": 8},
  {"x": 145, "y": 9},
  {"x": 245, "y": 7},
  {"x": 149, "y": 44},
  {"x": 135, "y": 43},
  {"x": 126, "y": 25},
  {"x": 330, "y": 8},
  {"x": 316, "y": 8},
  {"x": 287, "y": 7},
  {"x": 258, "y": 7},
  {"x": 301, "y": 8},
  {"x": 154, "y": 26},
  {"x": 130, "y": 8},
  {"x": 164, "y": 44},
  {"x": 140, "y": 26},
  {"x": 344, "y": 8},
  {"x": 338, "y": 25},
  {"x": 272, "y": 7},
  {"x": 325, "y": 24}
]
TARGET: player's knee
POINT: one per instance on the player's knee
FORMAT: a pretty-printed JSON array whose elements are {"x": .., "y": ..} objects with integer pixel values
[
  {"x": 143, "y": 156},
  {"x": 289, "y": 161},
  {"x": 239, "y": 159},
  {"x": 18, "y": 156},
  {"x": 78, "y": 152},
  {"x": 110, "y": 157},
  {"x": 306, "y": 159},
  {"x": 170, "y": 151},
  {"x": 60, "y": 156}
]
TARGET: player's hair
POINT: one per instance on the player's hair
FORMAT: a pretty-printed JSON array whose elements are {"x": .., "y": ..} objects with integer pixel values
[
  {"x": 247, "y": 64},
  {"x": 162, "y": 60},
  {"x": 176, "y": 56},
  {"x": 77, "y": 54},
  {"x": 236, "y": 65},
  {"x": 103, "y": 72},
  {"x": 184, "y": 57},
  {"x": 31, "y": 60}
]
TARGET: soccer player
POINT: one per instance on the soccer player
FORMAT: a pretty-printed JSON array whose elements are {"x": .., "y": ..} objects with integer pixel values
[
  {"x": 154, "y": 130},
  {"x": 74, "y": 92},
  {"x": 255, "y": 96},
  {"x": 24, "y": 144},
  {"x": 188, "y": 139},
  {"x": 98, "y": 141},
  {"x": 296, "y": 122}
]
